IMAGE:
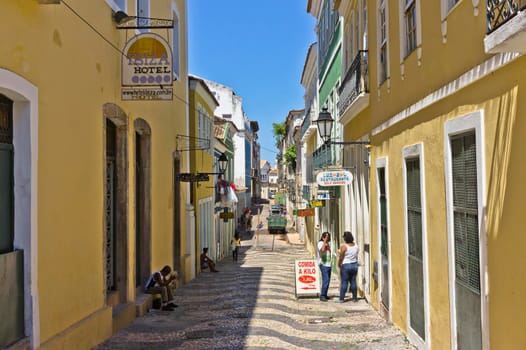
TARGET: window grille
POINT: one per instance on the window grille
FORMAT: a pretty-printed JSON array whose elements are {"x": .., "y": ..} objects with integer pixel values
[
  {"x": 465, "y": 209},
  {"x": 415, "y": 246}
]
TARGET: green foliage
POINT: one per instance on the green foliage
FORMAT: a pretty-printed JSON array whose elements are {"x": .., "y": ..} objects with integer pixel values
[
  {"x": 279, "y": 130},
  {"x": 290, "y": 156}
]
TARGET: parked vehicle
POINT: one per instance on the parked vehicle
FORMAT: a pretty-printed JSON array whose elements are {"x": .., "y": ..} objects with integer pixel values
[{"x": 277, "y": 221}]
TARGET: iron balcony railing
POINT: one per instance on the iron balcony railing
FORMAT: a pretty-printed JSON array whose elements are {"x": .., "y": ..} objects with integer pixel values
[
  {"x": 326, "y": 155},
  {"x": 501, "y": 11},
  {"x": 356, "y": 81}
]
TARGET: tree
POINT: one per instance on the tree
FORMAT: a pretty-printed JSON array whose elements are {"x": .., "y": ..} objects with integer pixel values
[
  {"x": 279, "y": 130},
  {"x": 290, "y": 157}
]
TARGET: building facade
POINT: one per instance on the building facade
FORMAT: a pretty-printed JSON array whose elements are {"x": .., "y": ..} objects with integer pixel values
[
  {"x": 84, "y": 187},
  {"x": 202, "y": 161}
]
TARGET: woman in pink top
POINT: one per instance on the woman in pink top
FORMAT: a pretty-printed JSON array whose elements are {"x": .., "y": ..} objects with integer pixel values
[{"x": 348, "y": 264}]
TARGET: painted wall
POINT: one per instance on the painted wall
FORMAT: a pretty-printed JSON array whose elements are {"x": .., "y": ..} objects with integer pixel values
[
  {"x": 76, "y": 73},
  {"x": 443, "y": 88},
  {"x": 499, "y": 99}
]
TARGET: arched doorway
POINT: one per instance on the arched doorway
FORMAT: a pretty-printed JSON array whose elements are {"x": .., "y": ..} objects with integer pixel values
[{"x": 115, "y": 204}]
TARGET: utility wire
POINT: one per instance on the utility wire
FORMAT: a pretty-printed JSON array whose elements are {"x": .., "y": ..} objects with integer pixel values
[
  {"x": 108, "y": 41},
  {"x": 93, "y": 28}
]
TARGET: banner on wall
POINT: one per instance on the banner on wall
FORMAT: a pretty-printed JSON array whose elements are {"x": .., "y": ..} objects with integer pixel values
[{"x": 147, "y": 69}]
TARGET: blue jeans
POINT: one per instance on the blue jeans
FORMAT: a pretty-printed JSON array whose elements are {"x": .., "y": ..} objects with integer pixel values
[
  {"x": 325, "y": 280},
  {"x": 348, "y": 275}
]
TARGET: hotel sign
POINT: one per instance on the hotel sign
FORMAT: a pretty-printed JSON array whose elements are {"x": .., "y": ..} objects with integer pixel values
[
  {"x": 147, "y": 69},
  {"x": 334, "y": 178}
]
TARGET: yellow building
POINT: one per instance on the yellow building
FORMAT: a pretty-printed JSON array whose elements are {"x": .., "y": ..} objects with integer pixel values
[
  {"x": 92, "y": 205},
  {"x": 202, "y": 107},
  {"x": 446, "y": 188}
]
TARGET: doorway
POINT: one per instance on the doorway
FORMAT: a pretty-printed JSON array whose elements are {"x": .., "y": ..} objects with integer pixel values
[
  {"x": 142, "y": 203},
  {"x": 115, "y": 205}
]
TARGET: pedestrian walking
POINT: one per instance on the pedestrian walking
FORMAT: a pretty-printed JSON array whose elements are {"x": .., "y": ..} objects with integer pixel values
[
  {"x": 235, "y": 243},
  {"x": 348, "y": 265},
  {"x": 324, "y": 262}
]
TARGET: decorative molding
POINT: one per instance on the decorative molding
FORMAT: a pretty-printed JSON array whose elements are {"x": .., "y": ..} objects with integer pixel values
[
  {"x": 468, "y": 78},
  {"x": 475, "y": 7}
]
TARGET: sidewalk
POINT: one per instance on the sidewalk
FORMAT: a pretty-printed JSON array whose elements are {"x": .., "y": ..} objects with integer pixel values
[{"x": 251, "y": 304}]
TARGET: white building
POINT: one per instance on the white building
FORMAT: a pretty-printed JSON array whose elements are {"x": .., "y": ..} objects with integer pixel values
[
  {"x": 231, "y": 108},
  {"x": 264, "y": 169}
]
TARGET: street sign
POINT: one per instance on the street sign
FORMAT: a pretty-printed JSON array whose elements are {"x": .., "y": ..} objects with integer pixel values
[
  {"x": 334, "y": 178},
  {"x": 229, "y": 215},
  {"x": 306, "y": 212},
  {"x": 316, "y": 203},
  {"x": 307, "y": 278},
  {"x": 188, "y": 177}
]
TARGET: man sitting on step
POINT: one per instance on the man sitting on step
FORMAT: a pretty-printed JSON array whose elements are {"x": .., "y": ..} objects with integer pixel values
[{"x": 158, "y": 283}]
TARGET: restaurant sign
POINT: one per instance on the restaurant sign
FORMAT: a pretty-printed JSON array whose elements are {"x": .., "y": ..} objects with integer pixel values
[
  {"x": 147, "y": 69},
  {"x": 334, "y": 178},
  {"x": 306, "y": 277}
]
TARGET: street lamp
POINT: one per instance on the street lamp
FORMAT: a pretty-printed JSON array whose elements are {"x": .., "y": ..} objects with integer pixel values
[
  {"x": 222, "y": 163},
  {"x": 324, "y": 122}
]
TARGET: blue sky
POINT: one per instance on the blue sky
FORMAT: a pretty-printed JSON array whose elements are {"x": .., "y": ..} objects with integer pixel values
[{"x": 256, "y": 47}]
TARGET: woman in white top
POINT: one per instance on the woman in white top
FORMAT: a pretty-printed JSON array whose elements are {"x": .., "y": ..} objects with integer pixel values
[{"x": 348, "y": 264}]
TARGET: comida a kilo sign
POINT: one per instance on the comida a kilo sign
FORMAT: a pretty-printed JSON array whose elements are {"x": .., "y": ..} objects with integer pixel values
[
  {"x": 307, "y": 281},
  {"x": 147, "y": 69}
]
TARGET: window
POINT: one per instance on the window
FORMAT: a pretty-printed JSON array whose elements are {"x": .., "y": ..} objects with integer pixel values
[
  {"x": 117, "y": 5},
  {"x": 204, "y": 129},
  {"x": 143, "y": 8},
  {"x": 451, "y": 3},
  {"x": 415, "y": 215},
  {"x": 467, "y": 236},
  {"x": 176, "y": 47},
  {"x": 327, "y": 26},
  {"x": 227, "y": 116},
  {"x": 382, "y": 41},
  {"x": 410, "y": 26},
  {"x": 415, "y": 246}
]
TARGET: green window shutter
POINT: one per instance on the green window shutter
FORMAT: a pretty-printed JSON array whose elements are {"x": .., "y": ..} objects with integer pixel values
[
  {"x": 414, "y": 243},
  {"x": 465, "y": 211}
]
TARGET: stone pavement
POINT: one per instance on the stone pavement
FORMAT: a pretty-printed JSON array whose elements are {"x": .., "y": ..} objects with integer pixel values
[{"x": 250, "y": 304}]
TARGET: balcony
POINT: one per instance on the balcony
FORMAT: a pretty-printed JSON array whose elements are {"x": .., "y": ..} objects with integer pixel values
[
  {"x": 506, "y": 31},
  {"x": 354, "y": 91},
  {"x": 327, "y": 155}
]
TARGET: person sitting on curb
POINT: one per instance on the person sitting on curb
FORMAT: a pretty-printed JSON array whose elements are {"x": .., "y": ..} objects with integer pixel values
[
  {"x": 158, "y": 283},
  {"x": 206, "y": 262}
]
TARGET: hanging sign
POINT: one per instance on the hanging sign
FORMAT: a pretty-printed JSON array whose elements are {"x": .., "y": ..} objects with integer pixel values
[
  {"x": 147, "y": 68},
  {"x": 229, "y": 215},
  {"x": 334, "y": 178},
  {"x": 306, "y": 212},
  {"x": 307, "y": 281},
  {"x": 316, "y": 203}
]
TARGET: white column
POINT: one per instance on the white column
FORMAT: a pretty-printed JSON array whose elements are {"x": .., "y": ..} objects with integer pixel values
[{"x": 190, "y": 238}]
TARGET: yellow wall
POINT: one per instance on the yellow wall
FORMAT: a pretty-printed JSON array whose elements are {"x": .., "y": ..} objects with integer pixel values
[
  {"x": 76, "y": 73},
  {"x": 499, "y": 97}
]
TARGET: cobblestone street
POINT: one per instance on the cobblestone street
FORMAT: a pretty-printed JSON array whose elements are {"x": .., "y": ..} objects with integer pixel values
[{"x": 250, "y": 304}]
